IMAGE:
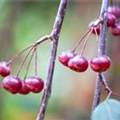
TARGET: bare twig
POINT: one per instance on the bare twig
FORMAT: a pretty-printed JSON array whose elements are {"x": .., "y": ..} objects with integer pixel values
[
  {"x": 107, "y": 88},
  {"x": 101, "y": 50},
  {"x": 44, "y": 38},
  {"x": 97, "y": 92},
  {"x": 104, "y": 83},
  {"x": 55, "y": 36}
]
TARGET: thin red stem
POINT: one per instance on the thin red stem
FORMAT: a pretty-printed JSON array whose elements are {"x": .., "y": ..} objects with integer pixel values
[
  {"x": 97, "y": 37},
  {"x": 80, "y": 40},
  {"x": 109, "y": 94},
  {"x": 36, "y": 60},
  {"x": 17, "y": 55},
  {"x": 85, "y": 43},
  {"x": 44, "y": 38},
  {"x": 29, "y": 63},
  {"x": 22, "y": 63}
]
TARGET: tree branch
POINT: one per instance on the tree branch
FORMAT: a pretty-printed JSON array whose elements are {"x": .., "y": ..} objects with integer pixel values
[
  {"x": 55, "y": 37},
  {"x": 101, "y": 50}
]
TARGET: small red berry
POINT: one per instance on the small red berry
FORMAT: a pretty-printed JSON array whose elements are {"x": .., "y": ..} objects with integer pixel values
[
  {"x": 5, "y": 69},
  {"x": 100, "y": 63},
  {"x": 111, "y": 20},
  {"x": 12, "y": 84},
  {"x": 116, "y": 30},
  {"x": 114, "y": 10},
  {"x": 78, "y": 63},
  {"x": 24, "y": 90},
  {"x": 65, "y": 56},
  {"x": 34, "y": 84}
]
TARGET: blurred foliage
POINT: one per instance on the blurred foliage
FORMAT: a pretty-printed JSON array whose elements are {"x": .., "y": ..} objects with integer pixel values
[
  {"x": 26, "y": 22},
  {"x": 107, "y": 110}
]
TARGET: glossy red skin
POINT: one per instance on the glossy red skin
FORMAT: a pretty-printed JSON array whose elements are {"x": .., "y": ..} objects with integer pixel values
[
  {"x": 12, "y": 84},
  {"x": 111, "y": 20},
  {"x": 100, "y": 63},
  {"x": 114, "y": 10},
  {"x": 116, "y": 30},
  {"x": 24, "y": 90},
  {"x": 34, "y": 84},
  {"x": 78, "y": 63},
  {"x": 4, "y": 69},
  {"x": 65, "y": 56}
]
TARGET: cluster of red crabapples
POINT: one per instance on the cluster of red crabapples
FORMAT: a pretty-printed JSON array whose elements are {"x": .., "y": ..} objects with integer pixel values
[
  {"x": 113, "y": 16},
  {"x": 13, "y": 83},
  {"x": 99, "y": 63},
  {"x": 79, "y": 63}
]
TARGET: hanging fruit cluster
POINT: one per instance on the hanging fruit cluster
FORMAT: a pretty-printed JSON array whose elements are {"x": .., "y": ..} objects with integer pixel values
[
  {"x": 77, "y": 62},
  {"x": 99, "y": 63},
  {"x": 13, "y": 83}
]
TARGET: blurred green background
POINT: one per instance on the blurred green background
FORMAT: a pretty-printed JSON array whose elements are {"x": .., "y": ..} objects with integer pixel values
[{"x": 22, "y": 23}]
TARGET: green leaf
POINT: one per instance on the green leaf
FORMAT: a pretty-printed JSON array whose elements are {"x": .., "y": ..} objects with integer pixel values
[{"x": 107, "y": 110}]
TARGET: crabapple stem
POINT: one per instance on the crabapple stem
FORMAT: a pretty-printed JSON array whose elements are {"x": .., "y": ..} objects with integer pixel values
[
  {"x": 85, "y": 43},
  {"x": 109, "y": 94},
  {"x": 80, "y": 40},
  {"x": 17, "y": 55},
  {"x": 22, "y": 63},
  {"x": 97, "y": 37},
  {"x": 97, "y": 22},
  {"x": 44, "y": 38},
  {"x": 36, "y": 60},
  {"x": 29, "y": 63}
]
